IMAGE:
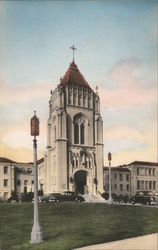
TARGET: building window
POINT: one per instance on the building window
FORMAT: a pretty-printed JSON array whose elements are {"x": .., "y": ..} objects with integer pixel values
[
  {"x": 146, "y": 171},
  {"x": 137, "y": 171},
  {"x": 154, "y": 185},
  {"x": 142, "y": 185},
  {"x": 121, "y": 187},
  {"x": 121, "y": 177},
  {"x": 32, "y": 182},
  {"x": 84, "y": 101},
  {"x": 76, "y": 133},
  {"x": 73, "y": 163},
  {"x": 5, "y": 196},
  {"x": 115, "y": 186},
  {"x": 127, "y": 187},
  {"x": 115, "y": 176},
  {"x": 25, "y": 182},
  {"x": 127, "y": 177},
  {"x": 138, "y": 184},
  {"x": 77, "y": 163},
  {"x": 74, "y": 100},
  {"x": 18, "y": 182},
  {"x": 89, "y": 164},
  {"x": 150, "y": 171},
  {"x": 69, "y": 97},
  {"x": 82, "y": 133},
  {"x": 150, "y": 185},
  {"x": 153, "y": 171},
  {"x": 146, "y": 185},
  {"x": 23, "y": 171},
  {"x": 5, "y": 169},
  {"x": 85, "y": 164},
  {"x": 88, "y": 103},
  {"x": 5, "y": 183},
  {"x": 29, "y": 170}
]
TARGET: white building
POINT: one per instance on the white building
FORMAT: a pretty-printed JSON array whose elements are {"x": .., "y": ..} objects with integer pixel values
[
  {"x": 144, "y": 176},
  {"x": 14, "y": 176},
  {"x": 138, "y": 176},
  {"x": 74, "y": 153},
  {"x": 120, "y": 180}
]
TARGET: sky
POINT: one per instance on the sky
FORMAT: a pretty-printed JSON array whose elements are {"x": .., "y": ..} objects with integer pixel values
[{"x": 116, "y": 44}]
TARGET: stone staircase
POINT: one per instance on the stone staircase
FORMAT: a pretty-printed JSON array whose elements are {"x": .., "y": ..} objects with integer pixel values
[{"x": 93, "y": 198}]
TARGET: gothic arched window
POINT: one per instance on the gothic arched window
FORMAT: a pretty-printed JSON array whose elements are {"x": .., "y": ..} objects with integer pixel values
[
  {"x": 77, "y": 163},
  {"x": 79, "y": 101},
  {"x": 82, "y": 133},
  {"x": 74, "y": 100},
  {"x": 84, "y": 101},
  {"x": 76, "y": 133},
  {"x": 69, "y": 99},
  {"x": 80, "y": 127}
]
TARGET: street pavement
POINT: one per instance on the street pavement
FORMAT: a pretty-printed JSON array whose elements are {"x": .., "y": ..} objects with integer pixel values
[{"x": 148, "y": 242}]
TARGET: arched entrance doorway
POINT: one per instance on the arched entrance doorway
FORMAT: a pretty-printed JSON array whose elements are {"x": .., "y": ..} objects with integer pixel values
[{"x": 80, "y": 178}]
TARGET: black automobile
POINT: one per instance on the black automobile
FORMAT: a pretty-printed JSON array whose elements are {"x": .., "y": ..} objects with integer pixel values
[
  {"x": 45, "y": 198},
  {"x": 145, "y": 198},
  {"x": 55, "y": 197},
  {"x": 66, "y": 196}
]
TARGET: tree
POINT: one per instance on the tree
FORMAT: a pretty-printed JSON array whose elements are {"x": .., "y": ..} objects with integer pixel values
[
  {"x": 25, "y": 195},
  {"x": 13, "y": 197}
]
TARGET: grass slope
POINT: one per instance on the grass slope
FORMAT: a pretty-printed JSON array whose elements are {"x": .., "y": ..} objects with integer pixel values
[{"x": 70, "y": 225}]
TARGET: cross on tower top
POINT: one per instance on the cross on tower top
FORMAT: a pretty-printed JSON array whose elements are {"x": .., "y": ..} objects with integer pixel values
[{"x": 73, "y": 49}]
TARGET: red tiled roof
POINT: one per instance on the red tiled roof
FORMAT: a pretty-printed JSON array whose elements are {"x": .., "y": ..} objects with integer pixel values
[
  {"x": 74, "y": 77},
  {"x": 143, "y": 163},
  {"x": 6, "y": 160}
]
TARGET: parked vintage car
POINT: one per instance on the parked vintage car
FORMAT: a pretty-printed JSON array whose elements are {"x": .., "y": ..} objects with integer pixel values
[
  {"x": 45, "y": 198},
  {"x": 66, "y": 196},
  {"x": 39, "y": 199},
  {"x": 145, "y": 198},
  {"x": 55, "y": 197}
]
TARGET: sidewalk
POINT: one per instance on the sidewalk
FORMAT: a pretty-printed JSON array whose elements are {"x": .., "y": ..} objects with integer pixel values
[{"x": 148, "y": 242}]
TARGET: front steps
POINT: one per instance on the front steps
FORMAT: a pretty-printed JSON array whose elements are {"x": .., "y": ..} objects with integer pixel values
[{"x": 93, "y": 198}]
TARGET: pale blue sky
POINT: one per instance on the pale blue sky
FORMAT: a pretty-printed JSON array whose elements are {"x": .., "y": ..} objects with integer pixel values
[{"x": 111, "y": 36}]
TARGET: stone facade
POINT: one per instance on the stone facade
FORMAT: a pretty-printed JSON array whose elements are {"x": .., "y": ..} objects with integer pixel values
[
  {"x": 120, "y": 180},
  {"x": 74, "y": 153},
  {"x": 144, "y": 176},
  {"x": 135, "y": 177},
  {"x": 126, "y": 180},
  {"x": 14, "y": 176}
]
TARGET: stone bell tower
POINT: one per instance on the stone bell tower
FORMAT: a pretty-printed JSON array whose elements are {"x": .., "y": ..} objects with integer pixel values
[{"x": 74, "y": 153}]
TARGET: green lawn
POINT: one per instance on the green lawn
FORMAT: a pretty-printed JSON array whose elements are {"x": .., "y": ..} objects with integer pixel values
[{"x": 67, "y": 226}]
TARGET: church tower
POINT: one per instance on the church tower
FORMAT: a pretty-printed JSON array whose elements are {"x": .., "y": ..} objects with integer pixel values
[{"x": 74, "y": 153}]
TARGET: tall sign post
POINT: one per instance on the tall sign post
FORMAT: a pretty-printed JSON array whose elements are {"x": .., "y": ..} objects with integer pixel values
[
  {"x": 36, "y": 234},
  {"x": 110, "y": 200}
]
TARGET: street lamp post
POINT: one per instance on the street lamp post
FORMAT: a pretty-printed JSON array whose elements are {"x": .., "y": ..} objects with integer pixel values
[
  {"x": 36, "y": 234},
  {"x": 110, "y": 200}
]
